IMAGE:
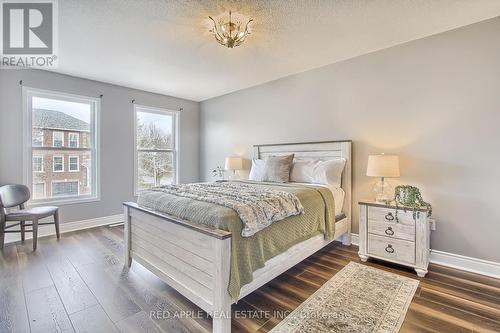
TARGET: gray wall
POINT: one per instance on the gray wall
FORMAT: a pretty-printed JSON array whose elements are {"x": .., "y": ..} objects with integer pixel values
[
  {"x": 117, "y": 140},
  {"x": 434, "y": 101}
]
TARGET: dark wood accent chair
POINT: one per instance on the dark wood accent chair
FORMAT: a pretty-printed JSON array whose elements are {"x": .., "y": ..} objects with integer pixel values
[{"x": 18, "y": 195}]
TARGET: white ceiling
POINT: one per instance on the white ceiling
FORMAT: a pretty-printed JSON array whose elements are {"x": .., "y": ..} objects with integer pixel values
[{"x": 164, "y": 46}]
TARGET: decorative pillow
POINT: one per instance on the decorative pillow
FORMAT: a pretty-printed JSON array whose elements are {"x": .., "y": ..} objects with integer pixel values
[
  {"x": 257, "y": 170},
  {"x": 277, "y": 168},
  {"x": 329, "y": 172},
  {"x": 302, "y": 171}
]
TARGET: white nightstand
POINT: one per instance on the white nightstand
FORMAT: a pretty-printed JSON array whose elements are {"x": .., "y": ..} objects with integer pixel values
[{"x": 400, "y": 238}]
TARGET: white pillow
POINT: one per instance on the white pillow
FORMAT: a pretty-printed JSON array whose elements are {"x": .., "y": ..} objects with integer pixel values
[
  {"x": 318, "y": 172},
  {"x": 302, "y": 171},
  {"x": 257, "y": 171},
  {"x": 329, "y": 172}
]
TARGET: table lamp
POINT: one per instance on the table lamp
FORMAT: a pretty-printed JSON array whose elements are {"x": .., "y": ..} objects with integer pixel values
[
  {"x": 234, "y": 164},
  {"x": 383, "y": 166}
]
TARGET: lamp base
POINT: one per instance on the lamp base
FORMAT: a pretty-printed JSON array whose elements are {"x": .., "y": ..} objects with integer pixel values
[
  {"x": 384, "y": 192},
  {"x": 232, "y": 175},
  {"x": 384, "y": 200}
]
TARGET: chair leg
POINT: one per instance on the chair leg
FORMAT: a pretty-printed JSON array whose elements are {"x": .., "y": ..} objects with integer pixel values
[
  {"x": 35, "y": 233},
  {"x": 56, "y": 223},
  {"x": 2, "y": 232},
  {"x": 23, "y": 230}
]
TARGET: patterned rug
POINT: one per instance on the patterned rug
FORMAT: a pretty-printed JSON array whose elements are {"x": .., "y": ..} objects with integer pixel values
[{"x": 357, "y": 299}]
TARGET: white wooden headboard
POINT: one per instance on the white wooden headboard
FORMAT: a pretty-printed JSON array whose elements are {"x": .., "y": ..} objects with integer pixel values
[{"x": 324, "y": 150}]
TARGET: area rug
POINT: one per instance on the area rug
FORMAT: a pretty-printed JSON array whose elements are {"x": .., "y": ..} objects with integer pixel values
[{"x": 359, "y": 298}]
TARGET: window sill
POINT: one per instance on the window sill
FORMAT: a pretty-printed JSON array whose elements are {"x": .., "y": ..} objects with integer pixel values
[{"x": 63, "y": 202}]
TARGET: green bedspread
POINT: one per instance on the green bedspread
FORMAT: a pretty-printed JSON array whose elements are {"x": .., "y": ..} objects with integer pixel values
[{"x": 250, "y": 253}]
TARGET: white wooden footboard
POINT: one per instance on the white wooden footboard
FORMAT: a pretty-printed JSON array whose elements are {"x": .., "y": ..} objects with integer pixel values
[{"x": 192, "y": 259}]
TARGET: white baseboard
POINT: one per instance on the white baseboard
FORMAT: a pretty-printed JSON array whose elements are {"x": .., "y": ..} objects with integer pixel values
[
  {"x": 468, "y": 264},
  {"x": 355, "y": 239},
  {"x": 49, "y": 230}
]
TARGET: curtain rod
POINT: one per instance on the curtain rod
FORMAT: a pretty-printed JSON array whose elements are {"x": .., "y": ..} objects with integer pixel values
[
  {"x": 180, "y": 108},
  {"x": 21, "y": 84}
]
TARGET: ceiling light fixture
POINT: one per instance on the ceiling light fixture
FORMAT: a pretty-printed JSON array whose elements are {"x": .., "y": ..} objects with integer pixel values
[{"x": 229, "y": 33}]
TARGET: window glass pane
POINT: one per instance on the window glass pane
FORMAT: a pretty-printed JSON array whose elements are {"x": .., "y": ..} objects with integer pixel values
[
  {"x": 62, "y": 146},
  {"x": 38, "y": 164},
  {"x": 69, "y": 188},
  {"x": 154, "y": 130},
  {"x": 58, "y": 164},
  {"x": 37, "y": 137},
  {"x": 58, "y": 139},
  {"x": 38, "y": 191},
  {"x": 155, "y": 169},
  {"x": 73, "y": 163},
  {"x": 73, "y": 140}
]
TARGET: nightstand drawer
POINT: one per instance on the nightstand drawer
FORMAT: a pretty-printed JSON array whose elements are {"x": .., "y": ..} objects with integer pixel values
[
  {"x": 394, "y": 249},
  {"x": 389, "y": 215},
  {"x": 392, "y": 229}
]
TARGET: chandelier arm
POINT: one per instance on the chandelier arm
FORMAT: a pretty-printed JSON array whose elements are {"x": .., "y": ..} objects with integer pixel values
[
  {"x": 219, "y": 39},
  {"x": 246, "y": 27},
  {"x": 230, "y": 31},
  {"x": 239, "y": 41},
  {"x": 215, "y": 24},
  {"x": 215, "y": 31}
]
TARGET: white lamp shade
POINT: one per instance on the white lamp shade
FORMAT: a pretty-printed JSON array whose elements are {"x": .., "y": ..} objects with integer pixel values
[
  {"x": 383, "y": 166},
  {"x": 234, "y": 163}
]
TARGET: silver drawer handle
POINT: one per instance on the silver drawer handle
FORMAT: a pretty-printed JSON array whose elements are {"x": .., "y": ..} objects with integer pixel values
[
  {"x": 389, "y": 249},
  {"x": 389, "y": 217},
  {"x": 389, "y": 231}
]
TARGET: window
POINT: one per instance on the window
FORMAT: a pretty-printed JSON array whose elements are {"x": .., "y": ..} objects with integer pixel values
[
  {"x": 57, "y": 139},
  {"x": 37, "y": 163},
  {"x": 156, "y": 147},
  {"x": 74, "y": 164},
  {"x": 58, "y": 164},
  {"x": 73, "y": 139},
  {"x": 37, "y": 137},
  {"x": 39, "y": 191},
  {"x": 68, "y": 164},
  {"x": 65, "y": 188}
]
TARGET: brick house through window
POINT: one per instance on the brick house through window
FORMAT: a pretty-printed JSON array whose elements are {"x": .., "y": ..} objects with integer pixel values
[{"x": 61, "y": 155}]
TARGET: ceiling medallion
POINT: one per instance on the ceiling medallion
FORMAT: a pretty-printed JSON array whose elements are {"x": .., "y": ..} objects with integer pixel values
[{"x": 230, "y": 33}]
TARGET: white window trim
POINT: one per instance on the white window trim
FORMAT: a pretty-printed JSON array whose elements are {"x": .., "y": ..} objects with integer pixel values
[
  {"x": 54, "y": 163},
  {"x": 175, "y": 136},
  {"x": 54, "y": 139},
  {"x": 42, "y": 168},
  {"x": 65, "y": 181},
  {"x": 95, "y": 171},
  {"x": 77, "y": 139},
  {"x": 77, "y": 163}
]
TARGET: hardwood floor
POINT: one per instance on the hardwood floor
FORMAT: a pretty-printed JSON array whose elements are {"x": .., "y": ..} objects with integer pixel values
[{"x": 80, "y": 284}]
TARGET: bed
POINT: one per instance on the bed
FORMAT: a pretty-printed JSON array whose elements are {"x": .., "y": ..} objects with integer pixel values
[{"x": 195, "y": 259}]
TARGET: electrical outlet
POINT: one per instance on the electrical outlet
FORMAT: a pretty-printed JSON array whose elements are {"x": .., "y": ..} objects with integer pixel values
[{"x": 432, "y": 222}]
